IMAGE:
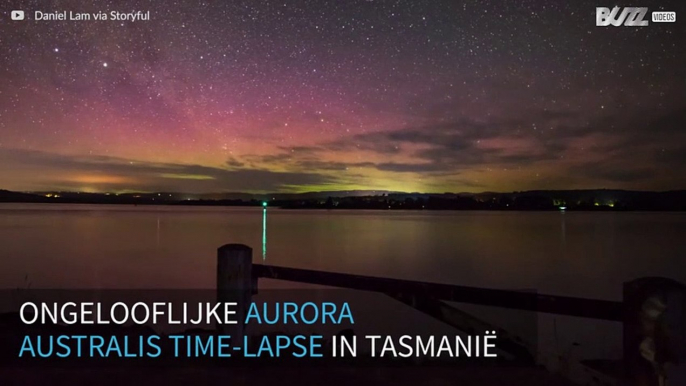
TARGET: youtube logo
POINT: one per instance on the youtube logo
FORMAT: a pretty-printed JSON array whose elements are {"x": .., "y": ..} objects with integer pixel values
[{"x": 17, "y": 15}]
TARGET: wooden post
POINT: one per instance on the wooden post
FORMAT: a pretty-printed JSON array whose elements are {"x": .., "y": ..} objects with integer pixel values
[
  {"x": 654, "y": 332},
  {"x": 234, "y": 284}
]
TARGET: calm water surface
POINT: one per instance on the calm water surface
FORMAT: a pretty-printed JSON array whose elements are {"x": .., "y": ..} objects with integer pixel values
[
  {"x": 574, "y": 254},
  {"x": 578, "y": 254}
]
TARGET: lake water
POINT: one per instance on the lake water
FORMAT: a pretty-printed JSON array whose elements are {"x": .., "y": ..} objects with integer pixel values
[{"x": 574, "y": 254}]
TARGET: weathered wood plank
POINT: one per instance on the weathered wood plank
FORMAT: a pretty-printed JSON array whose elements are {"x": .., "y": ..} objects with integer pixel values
[{"x": 528, "y": 301}]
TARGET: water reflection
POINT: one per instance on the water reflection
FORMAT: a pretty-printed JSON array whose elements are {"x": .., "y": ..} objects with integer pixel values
[
  {"x": 564, "y": 228},
  {"x": 264, "y": 234}
]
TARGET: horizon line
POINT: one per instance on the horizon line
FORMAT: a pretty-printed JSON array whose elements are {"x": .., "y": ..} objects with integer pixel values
[{"x": 339, "y": 191}]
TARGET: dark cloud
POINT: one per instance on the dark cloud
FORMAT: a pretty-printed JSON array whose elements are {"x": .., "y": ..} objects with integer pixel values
[
  {"x": 451, "y": 146},
  {"x": 409, "y": 167},
  {"x": 624, "y": 175},
  {"x": 234, "y": 163},
  {"x": 447, "y": 149},
  {"x": 111, "y": 173},
  {"x": 671, "y": 157},
  {"x": 613, "y": 173}
]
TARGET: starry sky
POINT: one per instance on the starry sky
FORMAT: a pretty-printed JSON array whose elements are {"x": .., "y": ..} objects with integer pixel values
[{"x": 313, "y": 95}]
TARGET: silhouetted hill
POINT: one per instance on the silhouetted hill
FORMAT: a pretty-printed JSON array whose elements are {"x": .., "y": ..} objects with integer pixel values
[
  {"x": 8, "y": 196},
  {"x": 592, "y": 199}
]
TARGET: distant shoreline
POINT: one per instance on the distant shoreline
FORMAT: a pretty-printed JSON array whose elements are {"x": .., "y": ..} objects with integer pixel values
[{"x": 563, "y": 200}]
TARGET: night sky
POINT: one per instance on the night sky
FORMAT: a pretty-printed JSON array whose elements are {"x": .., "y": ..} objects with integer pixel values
[{"x": 314, "y": 95}]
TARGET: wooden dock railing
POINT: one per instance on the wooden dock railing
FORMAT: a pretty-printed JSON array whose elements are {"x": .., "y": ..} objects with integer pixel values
[
  {"x": 519, "y": 300},
  {"x": 643, "y": 309}
]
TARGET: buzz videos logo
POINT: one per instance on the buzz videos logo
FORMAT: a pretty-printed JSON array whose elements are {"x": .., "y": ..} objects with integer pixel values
[{"x": 630, "y": 17}]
